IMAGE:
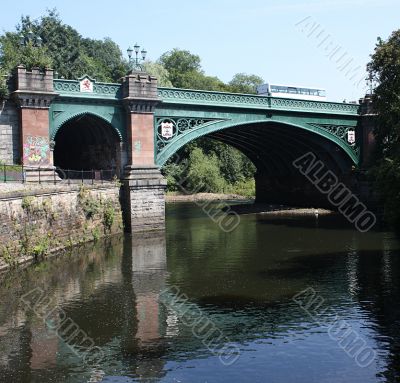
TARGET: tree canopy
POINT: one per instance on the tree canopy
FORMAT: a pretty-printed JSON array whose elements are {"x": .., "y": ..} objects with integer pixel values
[
  {"x": 384, "y": 70},
  {"x": 62, "y": 48}
]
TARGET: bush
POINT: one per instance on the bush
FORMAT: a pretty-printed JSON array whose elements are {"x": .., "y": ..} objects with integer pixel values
[{"x": 204, "y": 173}]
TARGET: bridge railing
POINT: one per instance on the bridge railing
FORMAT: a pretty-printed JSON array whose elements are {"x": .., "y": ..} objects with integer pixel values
[{"x": 54, "y": 175}]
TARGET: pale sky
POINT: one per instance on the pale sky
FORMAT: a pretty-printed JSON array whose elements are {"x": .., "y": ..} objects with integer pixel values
[{"x": 316, "y": 43}]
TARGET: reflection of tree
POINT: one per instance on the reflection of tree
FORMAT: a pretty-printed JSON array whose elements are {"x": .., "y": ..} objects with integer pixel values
[
  {"x": 378, "y": 278},
  {"x": 267, "y": 261}
]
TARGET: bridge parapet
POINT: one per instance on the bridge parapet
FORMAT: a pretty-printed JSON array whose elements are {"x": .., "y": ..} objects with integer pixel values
[
  {"x": 72, "y": 88},
  {"x": 235, "y": 100}
]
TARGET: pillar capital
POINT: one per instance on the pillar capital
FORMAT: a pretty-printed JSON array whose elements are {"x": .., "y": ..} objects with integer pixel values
[
  {"x": 140, "y": 86},
  {"x": 34, "y": 89}
]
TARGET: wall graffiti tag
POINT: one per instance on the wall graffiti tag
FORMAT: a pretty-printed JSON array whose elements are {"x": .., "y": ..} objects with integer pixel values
[{"x": 36, "y": 150}]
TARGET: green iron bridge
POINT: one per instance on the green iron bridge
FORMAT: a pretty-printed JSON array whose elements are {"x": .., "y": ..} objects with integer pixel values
[
  {"x": 272, "y": 132},
  {"x": 135, "y": 127}
]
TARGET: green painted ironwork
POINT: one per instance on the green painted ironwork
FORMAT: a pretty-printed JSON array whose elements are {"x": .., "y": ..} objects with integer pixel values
[
  {"x": 215, "y": 111},
  {"x": 340, "y": 131},
  {"x": 68, "y": 88},
  {"x": 195, "y": 113},
  {"x": 234, "y": 100},
  {"x": 61, "y": 112},
  {"x": 180, "y": 126}
]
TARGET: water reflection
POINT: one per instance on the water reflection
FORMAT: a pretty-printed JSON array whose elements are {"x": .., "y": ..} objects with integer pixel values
[
  {"x": 242, "y": 281},
  {"x": 111, "y": 293}
]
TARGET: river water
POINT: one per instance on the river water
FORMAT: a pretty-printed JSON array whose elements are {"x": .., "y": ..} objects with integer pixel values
[{"x": 301, "y": 299}]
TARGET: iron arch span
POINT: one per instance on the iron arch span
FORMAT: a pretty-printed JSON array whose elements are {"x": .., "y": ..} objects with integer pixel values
[
  {"x": 273, "y": 147},
  {"x": 87, "y": 142}
]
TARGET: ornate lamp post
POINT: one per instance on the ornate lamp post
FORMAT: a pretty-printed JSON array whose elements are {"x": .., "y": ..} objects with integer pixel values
[
  {"x": 30, "y": 37},
  {"x": 135, "y": 63}
]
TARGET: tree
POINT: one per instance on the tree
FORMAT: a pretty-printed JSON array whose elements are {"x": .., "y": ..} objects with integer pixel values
[
  {"x": 64, "y": 49},
  {"x": 384, "y": 69},
  {"x": 13, "y": 54},
  {"x": 245, "y": 83},
  {"x": 180, "y": 64},
  {"x": 204, "y": 174},
  {"x": 158, "y": 70}
]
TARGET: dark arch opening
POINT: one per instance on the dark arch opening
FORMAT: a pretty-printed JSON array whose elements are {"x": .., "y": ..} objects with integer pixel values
[
  {"x": 273, "y": 147},
  {"x": 87, "y": 142}
]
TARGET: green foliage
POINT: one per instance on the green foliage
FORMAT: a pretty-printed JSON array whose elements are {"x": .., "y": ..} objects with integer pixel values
[
  {"x": 203, "y": 173},
  {"x": 245, "y": 188},
  {"x": 384, "y": 69},
  {"x": 245, "y": 83},
  {"x": 181, "y": 65},
  {"x": 108, "y": 215},
  {"x": 175, "y": 174},
  {"x": 41, "y": 247},
  {"x": 13, "y": 54},
  {"x": 159, "y": 71},
  {"x": 6, "y": 254},
  {"x": 28, "y": 203},
  {"x": 96, "y": 234},
  {"x": 63, "y": 48},
  {"x": 90, "y": 205}
]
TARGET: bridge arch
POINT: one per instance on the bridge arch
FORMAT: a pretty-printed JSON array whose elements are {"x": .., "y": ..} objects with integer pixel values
[
  {"x": 87, "y": 141},
  {"x": 273, "y": 146},
  {"x": 220, "y": 128}
]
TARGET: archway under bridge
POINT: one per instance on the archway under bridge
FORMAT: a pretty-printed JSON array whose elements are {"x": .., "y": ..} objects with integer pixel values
[{"x": 87, "y": 142}]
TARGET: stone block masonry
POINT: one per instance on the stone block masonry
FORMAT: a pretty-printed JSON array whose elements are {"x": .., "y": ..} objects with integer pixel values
[
  {"x": 9, "y": 133},
  {"x": 37, "y": 221}
]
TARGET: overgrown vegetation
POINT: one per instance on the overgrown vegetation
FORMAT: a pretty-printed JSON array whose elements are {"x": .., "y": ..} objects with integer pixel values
[
  {"x": 108, "y": 215},
  {"x": 90, "y": 205}
]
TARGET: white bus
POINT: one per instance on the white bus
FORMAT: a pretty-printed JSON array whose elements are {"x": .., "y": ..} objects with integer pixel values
[{"x": 288, "y": 91}]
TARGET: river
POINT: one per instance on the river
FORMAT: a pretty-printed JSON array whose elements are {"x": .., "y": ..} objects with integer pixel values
[{"x": 290, "y": 299}]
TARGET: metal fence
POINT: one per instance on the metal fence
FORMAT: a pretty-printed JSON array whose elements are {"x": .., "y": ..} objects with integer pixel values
[{"x": 55, "y": 175}]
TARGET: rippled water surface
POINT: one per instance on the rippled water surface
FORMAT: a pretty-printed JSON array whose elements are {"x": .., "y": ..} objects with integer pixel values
[{"x": 275, "y": 300}]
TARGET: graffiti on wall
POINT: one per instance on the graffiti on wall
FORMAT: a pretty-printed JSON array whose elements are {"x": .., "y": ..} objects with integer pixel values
[{"x": 36, "y": 150}]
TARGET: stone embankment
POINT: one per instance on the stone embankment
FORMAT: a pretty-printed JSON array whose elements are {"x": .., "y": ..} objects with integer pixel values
[{"x": 36, "y": 221}]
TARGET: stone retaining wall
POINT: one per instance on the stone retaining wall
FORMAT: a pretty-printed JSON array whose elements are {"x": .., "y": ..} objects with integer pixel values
[{"x": 37, "y": 221}]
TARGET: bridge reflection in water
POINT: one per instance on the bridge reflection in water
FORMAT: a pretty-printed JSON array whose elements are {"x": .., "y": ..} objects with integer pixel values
[{"x": 243, "y": 281}]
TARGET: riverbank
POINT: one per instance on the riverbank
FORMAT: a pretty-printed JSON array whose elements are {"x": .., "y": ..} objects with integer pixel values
[
  {"x": 279, "y": 210},
  {"x": 250, "y": 207},
  {"x": 172, "y": 197}
]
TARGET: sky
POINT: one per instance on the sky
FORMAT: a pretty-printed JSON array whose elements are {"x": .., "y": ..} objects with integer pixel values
[{"x": 316, "y": 43}]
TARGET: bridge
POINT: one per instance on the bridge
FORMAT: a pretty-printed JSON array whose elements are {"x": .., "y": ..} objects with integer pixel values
[{"x": 135, "y": 127}]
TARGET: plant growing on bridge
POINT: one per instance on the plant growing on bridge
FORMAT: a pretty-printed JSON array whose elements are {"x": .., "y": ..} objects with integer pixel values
[
  {"x": 90, "y": 205},
  {"x": 108, "y": 214}
]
